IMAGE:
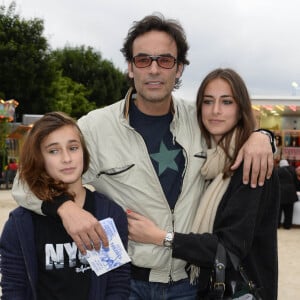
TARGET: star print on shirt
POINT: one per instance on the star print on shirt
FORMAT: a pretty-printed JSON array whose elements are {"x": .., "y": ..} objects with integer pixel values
[{"x": 165, "y": 158}]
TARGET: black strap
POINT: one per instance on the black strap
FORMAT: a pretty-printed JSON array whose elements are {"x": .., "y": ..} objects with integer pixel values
[{"x": 220, "y": 266}]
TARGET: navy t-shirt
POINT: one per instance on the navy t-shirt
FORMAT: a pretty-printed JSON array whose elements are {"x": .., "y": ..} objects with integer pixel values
[
  {"x": 165, "y": 153},
  {"x": 62, "y": 272}
]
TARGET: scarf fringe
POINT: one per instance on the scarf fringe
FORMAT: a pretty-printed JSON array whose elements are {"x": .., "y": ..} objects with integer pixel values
[{"x": 194, "y": 274}]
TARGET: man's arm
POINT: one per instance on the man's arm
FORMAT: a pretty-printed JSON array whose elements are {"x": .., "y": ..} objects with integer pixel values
[
  {"x": 258, "y": 159},
  {"x": 85, "y": 229},
  {"x": 24, "y": 197}
]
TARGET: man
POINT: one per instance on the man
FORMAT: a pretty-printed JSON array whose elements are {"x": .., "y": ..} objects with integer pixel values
[{"x": 146, "y": 154}]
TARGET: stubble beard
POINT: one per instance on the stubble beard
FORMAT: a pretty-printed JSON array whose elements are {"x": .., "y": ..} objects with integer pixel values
[{"x": 155, "y": 98}]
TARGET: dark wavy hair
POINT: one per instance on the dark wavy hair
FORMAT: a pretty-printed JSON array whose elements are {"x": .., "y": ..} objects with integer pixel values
[
  {"x": 246, "y": 123},
  {"x": 157, "y": 22},
  {"x": 32, "y": 166}
]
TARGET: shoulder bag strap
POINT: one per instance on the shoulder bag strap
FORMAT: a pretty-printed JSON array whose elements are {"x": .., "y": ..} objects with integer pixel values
[{"x": 220, "y": 266}]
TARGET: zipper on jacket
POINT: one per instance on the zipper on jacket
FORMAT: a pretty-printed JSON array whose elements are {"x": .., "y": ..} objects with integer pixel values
[
  {"x": 171, "y": 267},
  {"x": 186, "y": 162}
]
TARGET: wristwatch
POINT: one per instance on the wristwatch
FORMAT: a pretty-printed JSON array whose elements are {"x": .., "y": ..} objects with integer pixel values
[
  {"x": 168, "y": 240},
  {"x": 271, "y": 137}
]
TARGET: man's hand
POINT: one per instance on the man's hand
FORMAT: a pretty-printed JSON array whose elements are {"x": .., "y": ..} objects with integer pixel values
[
  {"x": 82, "y": 226},
  {"x": 258, "y": 159}
]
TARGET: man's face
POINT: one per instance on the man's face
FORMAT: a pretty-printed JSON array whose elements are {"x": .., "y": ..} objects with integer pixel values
[{"x": 153, "y": 83}]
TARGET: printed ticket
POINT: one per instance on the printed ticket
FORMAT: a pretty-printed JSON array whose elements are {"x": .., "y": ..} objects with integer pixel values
[{"x": 110, "y": 258}]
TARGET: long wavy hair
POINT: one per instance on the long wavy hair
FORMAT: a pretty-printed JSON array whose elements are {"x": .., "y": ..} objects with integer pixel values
[
  {"x": 246, "y": 123},
  {"x": 32, "y": 165},
  {"x": 157, "y": 22}
]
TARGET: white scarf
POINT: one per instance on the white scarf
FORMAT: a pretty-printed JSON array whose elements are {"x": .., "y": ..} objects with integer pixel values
[{"x": 210, "y": 200}]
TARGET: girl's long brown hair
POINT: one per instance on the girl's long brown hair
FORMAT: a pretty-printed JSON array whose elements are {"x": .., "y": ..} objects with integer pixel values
[
  {"x": 246, "y": 123},
  {"x": 32, "y": 167}
]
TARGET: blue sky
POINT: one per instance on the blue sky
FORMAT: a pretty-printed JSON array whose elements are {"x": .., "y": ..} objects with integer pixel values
[{"x": 258, "y": 38}]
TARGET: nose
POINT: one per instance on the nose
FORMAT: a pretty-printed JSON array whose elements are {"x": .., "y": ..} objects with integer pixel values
[
  {"x": 216, "y": 108},
  {"x": 154, "y": 67},
  {"x": 66, "y": 157}
]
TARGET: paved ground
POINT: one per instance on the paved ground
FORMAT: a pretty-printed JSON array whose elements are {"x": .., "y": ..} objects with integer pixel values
[{"x": 289, "y": 252}]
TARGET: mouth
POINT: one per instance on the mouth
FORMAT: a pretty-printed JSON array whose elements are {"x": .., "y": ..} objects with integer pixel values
[
  {"x": 67, "y": 170},
  {"x": 216, "y": 121},
  {"x": 154, "y": 83}
]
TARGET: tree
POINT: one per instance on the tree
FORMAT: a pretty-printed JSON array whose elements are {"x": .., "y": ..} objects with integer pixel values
[
  {"x": 26, "y": 69},
  {"x": 105, "y": 83},
  {"x": 70, "y": 97},
  {"x": 75, "y": 80}
]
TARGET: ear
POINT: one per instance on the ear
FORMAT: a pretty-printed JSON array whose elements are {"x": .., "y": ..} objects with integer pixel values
[
  {"x": 130, "y": 71},
  {"x": 179, "y": 71}
]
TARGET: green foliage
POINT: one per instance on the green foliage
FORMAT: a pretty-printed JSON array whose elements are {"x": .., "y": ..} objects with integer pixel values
[
  {"x": 105, "y": 83},
  {"x": 3, "y": 133},
  {"x": 26, "y": 72},
  {"x": 74, "y": 80},
  {"x": 70, "y": 97}
]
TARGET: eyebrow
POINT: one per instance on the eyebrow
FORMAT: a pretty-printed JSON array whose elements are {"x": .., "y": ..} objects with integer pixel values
[
  {"x": 55, "y": 144},
  {"x": 51, "y": 145},
  {"x": 223, "y": 96}
]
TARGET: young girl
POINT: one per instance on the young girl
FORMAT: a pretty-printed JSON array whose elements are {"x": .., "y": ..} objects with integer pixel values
[
  {"x": 39, "y": 260},
  {"x": 241, "y": 218}
]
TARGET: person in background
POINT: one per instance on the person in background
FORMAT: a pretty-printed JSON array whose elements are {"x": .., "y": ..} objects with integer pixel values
[
  {"x": 242, "y": 219},
  {"x": 278, "y": 153},
  {"x": 288, "y": 193},
  {"x": 146, "y": 153},
  {"x": 11, "y": 171},
  {"x": 39, "y": 260}
]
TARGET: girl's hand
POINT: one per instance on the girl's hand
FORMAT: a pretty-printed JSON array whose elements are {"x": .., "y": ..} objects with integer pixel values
[{"x": 143, "y": 230}]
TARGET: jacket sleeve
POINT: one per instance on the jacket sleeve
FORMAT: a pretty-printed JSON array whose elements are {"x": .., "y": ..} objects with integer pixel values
[
  {"x": 118, "y": 283},
  {"x": 14, "y": 280},
  {"x": 243, "y": 213},
  {"x": 85, "y": 123},
  {"x": 24, "y": 197}
]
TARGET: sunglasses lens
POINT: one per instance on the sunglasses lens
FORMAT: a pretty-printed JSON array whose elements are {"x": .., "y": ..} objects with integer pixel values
[
  {"x": 143, "y": 61},
  {"x": 166, "y": 62}
]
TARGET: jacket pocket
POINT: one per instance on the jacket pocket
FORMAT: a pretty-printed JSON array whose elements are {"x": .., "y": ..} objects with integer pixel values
[{"x": 115, "y": 170}]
